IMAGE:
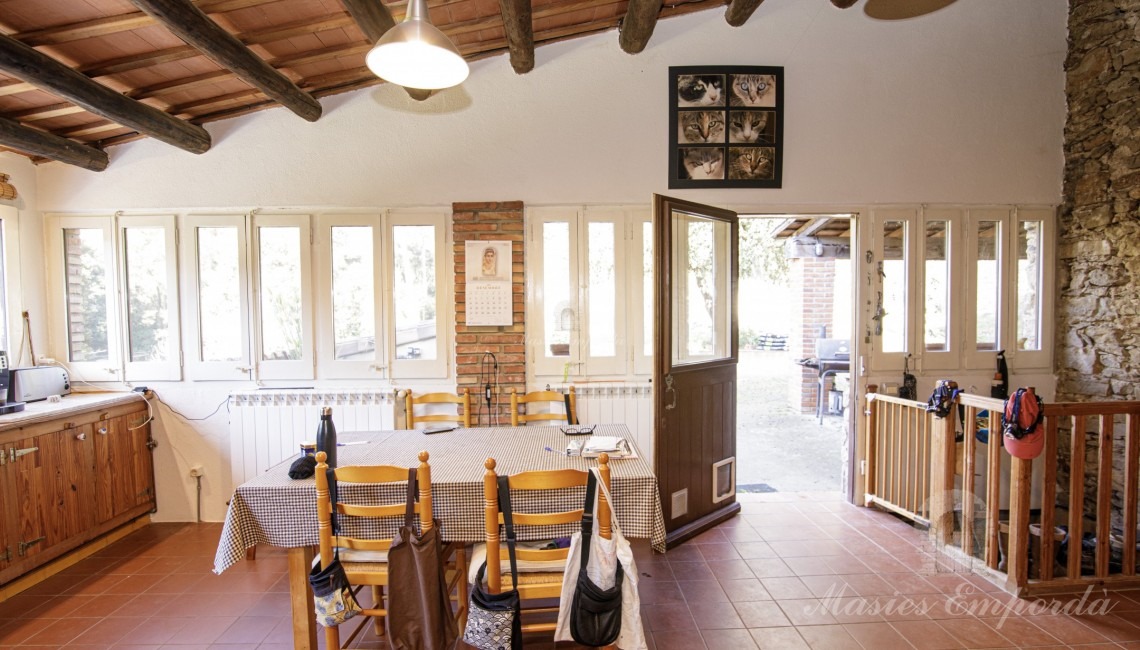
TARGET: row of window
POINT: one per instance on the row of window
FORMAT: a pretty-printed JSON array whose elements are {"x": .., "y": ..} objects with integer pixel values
[
  {"x": 953, "y": 286},
  {"x": 260, "y": 296}
]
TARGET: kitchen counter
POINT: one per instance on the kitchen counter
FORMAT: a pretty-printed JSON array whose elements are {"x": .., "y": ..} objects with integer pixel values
[{"x": 74, "y": 403}]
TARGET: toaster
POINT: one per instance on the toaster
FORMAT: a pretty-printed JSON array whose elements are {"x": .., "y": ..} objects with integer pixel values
[{"x": 37, "y": 383}]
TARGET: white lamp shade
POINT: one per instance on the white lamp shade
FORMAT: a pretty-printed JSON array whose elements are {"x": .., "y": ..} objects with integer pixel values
[{"x": 416, "y": 54}]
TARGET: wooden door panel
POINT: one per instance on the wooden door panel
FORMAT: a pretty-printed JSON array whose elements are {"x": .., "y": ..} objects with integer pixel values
[
  {"x": 8, "y": 521},
  {"x": 29, "y": 492},
  {"x": 67, "y": 470}
]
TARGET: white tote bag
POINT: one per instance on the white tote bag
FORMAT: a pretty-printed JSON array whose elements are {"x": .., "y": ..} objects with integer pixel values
[{"x": 604, "y": 556}]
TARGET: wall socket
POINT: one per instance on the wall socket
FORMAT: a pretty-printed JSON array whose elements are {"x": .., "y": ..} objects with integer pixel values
[{"x": 196, "y": 471}]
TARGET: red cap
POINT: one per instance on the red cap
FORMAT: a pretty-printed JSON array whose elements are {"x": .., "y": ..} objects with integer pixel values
[{"x": 1029, "y": 447}]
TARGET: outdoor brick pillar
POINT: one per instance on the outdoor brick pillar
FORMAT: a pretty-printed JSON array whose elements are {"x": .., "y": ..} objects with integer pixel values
[
  {"x": 490, "y": 221},
  {"x": 813, "y": 292}
]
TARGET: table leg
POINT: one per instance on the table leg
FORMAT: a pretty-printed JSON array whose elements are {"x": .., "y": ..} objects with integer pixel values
[{"x": 301, "y": 599}]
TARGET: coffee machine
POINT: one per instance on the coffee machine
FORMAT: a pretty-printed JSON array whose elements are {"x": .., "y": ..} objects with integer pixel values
[{"x": 5, "y": 380}]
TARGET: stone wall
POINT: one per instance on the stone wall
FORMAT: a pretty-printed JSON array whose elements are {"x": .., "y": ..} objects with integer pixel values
[{"x": 1098, "y": 303}]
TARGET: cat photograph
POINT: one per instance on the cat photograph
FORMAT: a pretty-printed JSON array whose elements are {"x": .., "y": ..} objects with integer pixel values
[
  {"x": 751, "y": 163},
  {"x": 752, "y": 127},
  {"x": 753, "y": 90},
  {"x": 700, "y": 90},
  {"x": 701, "y": 127},
  {"x": 705, "y": 163}
]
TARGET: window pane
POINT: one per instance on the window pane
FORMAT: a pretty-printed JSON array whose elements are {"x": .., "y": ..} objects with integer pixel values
[
  {"x": 353, "y": 293},
  {"x": 988, "y": 292},
  {"x": 701, "y": 288},
  {"x": 219, "y": 295},
  {"x": 84, "y": 253},
  {"x": 1029, "y": 258},
  {"x": 148, "y": 330},
  {"x": 603, "y": 284},
  {"x": 936, "y": 317},
  {"x": 3, "y": 297},
  {"x": 556, "y": 288},
  {"x": 414, "y": 292},
  {"x": 647, "y": 289},
  {"x": 280, "y": 280},
  {"x": 892, "y": 308}
]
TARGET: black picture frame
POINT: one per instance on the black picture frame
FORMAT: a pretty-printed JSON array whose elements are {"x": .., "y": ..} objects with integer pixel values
[{"x": 721, "y": 136}]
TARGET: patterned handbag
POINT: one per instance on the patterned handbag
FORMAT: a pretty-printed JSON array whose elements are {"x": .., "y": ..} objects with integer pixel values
[
  {"x": 494, "y": 621},
  {"x": 332, "y": 594}
]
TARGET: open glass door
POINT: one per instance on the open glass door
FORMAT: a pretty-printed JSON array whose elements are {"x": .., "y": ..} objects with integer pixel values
[{"x": 694, "y": 370}]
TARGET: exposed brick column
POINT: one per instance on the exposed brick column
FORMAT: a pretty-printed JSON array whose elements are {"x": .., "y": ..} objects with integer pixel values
[
  {"x": 490, "y": 221},
  {"x": 813, "y": 291}
]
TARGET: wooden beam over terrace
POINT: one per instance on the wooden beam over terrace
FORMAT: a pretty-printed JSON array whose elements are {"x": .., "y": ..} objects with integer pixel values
[
  {"x": 519, "y": 28},
  {"x": 637, "y": 26},
  {"x": 28, "y": 140}
]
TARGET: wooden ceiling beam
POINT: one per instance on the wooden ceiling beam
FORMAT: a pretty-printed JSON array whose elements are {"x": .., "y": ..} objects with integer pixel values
[
  {"x": 53, "y": 147},
  {"x": 637, "y": 26},
  {"x": 519, "y": 27},
  {"x": 178, "y": 85},
  {"x": 739, "y": 11},
  {"x": 120, "y": 23},
  {"x": 32, "y": 66},
  {"x": 188, "y": 22},
  {"x": 123, "y": 64}
]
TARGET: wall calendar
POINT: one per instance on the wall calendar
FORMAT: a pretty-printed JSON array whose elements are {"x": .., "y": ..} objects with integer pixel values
[{"x": 489, "y": 295}]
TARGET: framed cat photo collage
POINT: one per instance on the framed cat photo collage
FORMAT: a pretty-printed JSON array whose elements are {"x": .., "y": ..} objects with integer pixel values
[{"x": 726, "y": 126}]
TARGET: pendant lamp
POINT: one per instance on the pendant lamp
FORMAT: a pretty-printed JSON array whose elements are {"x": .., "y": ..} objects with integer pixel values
[{"x": 416, "y": 54}]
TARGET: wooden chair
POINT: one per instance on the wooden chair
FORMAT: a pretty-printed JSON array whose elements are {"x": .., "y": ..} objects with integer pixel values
[
  {"x": 464, "y": 400},
  {"x": 535, "y": 584},
  {"x": 549, "y": 396},
  {"x": 365, "y": 560}
]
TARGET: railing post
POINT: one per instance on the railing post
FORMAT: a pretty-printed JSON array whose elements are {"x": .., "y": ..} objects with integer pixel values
[
  {"x": 942, "y": 464},
  {"x": 1021, "y": 471},
  {"x": 871, "y": 442}
]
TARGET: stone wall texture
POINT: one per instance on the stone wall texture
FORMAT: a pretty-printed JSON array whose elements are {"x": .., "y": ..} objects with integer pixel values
[
  {"x": 1098, "y": 266},
  {"x": 1098, "y": 308}
]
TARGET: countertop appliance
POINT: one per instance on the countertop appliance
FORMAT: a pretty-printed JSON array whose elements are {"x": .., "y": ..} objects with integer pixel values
[{"x": 38, "y": 382}]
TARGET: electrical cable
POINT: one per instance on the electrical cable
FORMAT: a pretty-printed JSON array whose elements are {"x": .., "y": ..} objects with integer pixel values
[
  {"x": 489, "y": 384},
  {"x": 175, "y": 411}
]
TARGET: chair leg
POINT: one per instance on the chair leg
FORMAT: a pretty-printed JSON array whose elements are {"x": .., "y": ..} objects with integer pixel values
[
  {"x": 378, "y": 600},
  {"x": 461, "y": 589},
  {"x": 251, "y": 553},
  {"x": 332, "y": 638}
]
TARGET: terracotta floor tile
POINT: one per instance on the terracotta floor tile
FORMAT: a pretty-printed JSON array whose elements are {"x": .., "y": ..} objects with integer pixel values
[
  {"x": 248, "y": 630},
  {"x": 702, "y": 591},
  {"x": 679, "y": 640},
  {"x": 712, "y": 536},
  {"x": 855, "y": 609},
  {"x": 789, "y": 533},
  {"x": 973, "y": 633},
  {"x": 744, "y": 590},
  {"x": 728, "y": 639},
  {"x": 868, "y": 584},
  {"x": 807, "y": 548},
  {"x": 667, "y": 616},
  {"x": 761, "y": 614},
  {"x": 828, "y": 637},
  {"x": 109, "y": 631},
  {"x": 754, "y": 550},
  {"x": 691, "y": 571},
  {"x": 786, "y": 588},
  {"x": 715, "y": 616},
  {"x": 729, "y": 569},
  {"x": 769, "y": 568},
  {"x": 908, "y": 584},
  {"x": 778, "y": 638},
  {"x": 926, "y": 635},
  {"x": 821, "y": 586},
  {"x": 806, "y": 611},
  {"x": 876, "y": 635},
  {"x": 1066, "y": 629},
  {"x": 742, "y": 534},
  {"x": 724, "y": 551},
  {"x": 649, "y": 591},
  {"x": 1119, "y": 627},
  {"x": 60, "y": 631},
  {"x": 685, "y": 553}
]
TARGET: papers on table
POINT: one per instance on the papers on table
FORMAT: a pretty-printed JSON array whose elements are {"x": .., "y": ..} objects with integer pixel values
[{"x": 615, "y": 446}]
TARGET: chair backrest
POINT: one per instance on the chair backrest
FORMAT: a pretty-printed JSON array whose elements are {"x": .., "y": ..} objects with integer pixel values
[
  {"x": 464, "y": 400},
  {"x": 535, "y": 480},
  {"x": 368, "y": 474},
  {"x": 558, "y": 413}
]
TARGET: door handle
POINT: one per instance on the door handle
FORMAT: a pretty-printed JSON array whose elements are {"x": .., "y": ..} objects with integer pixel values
[{"x": 669, "y": 389}]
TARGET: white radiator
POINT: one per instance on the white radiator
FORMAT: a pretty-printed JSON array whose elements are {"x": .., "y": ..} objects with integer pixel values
[
  {"x": 267, "y": 427},
  {"x": 631, "y": 405}
]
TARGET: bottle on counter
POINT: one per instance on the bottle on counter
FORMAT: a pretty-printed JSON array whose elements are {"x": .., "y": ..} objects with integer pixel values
[{"x": 326, "y": 436}]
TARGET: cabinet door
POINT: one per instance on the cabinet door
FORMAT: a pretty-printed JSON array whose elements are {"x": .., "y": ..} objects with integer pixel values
[
  {"x": 124, "y": 468},
  {"x": 8, "y": 511},
  {"x": 51, "y": 489},
  {"x": 142, "y": 457}
]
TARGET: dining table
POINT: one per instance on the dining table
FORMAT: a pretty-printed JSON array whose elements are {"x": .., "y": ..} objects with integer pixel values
[{"x": 276, "y": 510}]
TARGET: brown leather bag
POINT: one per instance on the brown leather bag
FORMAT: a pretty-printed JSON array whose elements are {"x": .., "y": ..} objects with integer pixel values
[{"x": 419, "y": 608}]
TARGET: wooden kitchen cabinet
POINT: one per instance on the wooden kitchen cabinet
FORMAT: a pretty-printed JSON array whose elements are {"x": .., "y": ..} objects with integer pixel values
[{"x": 65, "y": 481}]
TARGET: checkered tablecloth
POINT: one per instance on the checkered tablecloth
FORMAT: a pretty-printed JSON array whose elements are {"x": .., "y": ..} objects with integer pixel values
[{"x": 276, "y": 510}]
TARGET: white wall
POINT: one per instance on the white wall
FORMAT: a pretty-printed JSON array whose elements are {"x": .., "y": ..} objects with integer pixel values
[{"x": 962, "y": 106}]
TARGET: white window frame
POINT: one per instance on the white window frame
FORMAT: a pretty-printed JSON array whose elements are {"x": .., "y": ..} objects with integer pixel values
[
  {"x": 12, "y": 297},
  {"x": 972, "y": 357},
  {"x": 893, "y": 361},
  {"x": 327, "y": 363},
  {"x": 437, "y": 368},
  {"x": 642, "y": 362},
  {"x": 619, "y": 362},
  {"x": 109, "y": 369},
  {"x": 196, "y": 368},
  {"x": 1042, "y": 358},
  {"x": 269, "y": 369},
  {"x": 955, "y": 297},
  {"x": 537, "y": 309},
  {"x": 171, "y": 368}
]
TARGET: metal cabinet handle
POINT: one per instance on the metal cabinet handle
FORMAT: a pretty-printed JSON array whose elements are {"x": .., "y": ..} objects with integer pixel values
[
  {"x": 81, "y": 436},
  {"x": 669, "y": 389},
  {"x": 102, "y": 431}
]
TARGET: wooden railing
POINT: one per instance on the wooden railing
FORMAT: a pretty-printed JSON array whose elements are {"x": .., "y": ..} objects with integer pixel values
[
  {"x": 898, "y": 456},
  {"x": 1007, "y": 530}
]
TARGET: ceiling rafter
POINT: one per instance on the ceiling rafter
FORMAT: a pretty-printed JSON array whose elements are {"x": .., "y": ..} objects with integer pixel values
[
  {"x": 52, "y": 147},
  {"x": 637, "y": 26},
  {"x": 519, "y": 27},
  {"x": 120, "y": 23},
  {"x": 32, "y": 66},
  {"x": 739, "y": 11},
  {"x": 190, "y": 24}
]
